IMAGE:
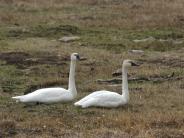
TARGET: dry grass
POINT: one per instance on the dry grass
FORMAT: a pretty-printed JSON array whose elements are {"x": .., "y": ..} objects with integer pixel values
[
  {"x": 106, "y": 28},
  {"x": 103, "y": 13}
]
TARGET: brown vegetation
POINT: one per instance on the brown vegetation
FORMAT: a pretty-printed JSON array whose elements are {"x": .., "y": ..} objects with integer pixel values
[{"x": 31, "y": 57}]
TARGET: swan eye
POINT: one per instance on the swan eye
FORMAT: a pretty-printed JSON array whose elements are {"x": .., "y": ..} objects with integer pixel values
[{"x": 77, "y": 56}]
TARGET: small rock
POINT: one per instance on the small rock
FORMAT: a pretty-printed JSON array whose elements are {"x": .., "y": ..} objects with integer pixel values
[
  {"x": 69, "y": 39},
  {"x": 150, "y": 39},
  {"x": 115, "y": 85},
  {"x": 136, "y": 51},
  {"x": 177, "y": 42}
]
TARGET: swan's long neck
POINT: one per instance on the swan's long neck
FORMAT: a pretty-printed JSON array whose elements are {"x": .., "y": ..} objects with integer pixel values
[
  {"x": 125, "y": 92},
  {"x": 71, "y": 85}
]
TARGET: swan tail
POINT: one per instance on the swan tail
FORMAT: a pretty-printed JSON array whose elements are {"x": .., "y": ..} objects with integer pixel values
[
  {"x": 17, "y": 98},
  {"x": 80, "y": 102},
  {"x": 83, "y": 104},
  {"x": 77, "y": 104},
  {"x": 80, "y": 105},
  {"x": 89, "y": 102}
]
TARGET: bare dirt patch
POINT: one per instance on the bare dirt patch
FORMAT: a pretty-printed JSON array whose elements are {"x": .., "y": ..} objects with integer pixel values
[
  {"x": 170, "y": 62},
  {"x": 24, "y": 60},
  {"x": 152, "y": 78}
]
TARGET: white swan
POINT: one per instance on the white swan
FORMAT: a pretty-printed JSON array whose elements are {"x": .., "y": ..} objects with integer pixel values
[
  {"x": 53, "y": 95},
  {"x": 107, "y": 98}
]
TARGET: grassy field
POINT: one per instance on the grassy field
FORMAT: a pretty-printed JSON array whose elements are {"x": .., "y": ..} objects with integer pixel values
[{"x": 31, "y": 57}]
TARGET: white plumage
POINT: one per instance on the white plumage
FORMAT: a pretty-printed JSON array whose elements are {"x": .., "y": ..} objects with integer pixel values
[
  {"x": 54, "y": 95},
  {"x": 101, "y": 99},
  {"x": 46, "y": 95},
  {"x": 107, "y": 98}
]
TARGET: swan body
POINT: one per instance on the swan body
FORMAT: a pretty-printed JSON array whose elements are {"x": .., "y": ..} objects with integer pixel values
[
  {"x": 53, "y": 95},
  {"x": 46, "y": 95},
  {"x": 102, "y": 99},
  {"x": 107, "y": 98}
]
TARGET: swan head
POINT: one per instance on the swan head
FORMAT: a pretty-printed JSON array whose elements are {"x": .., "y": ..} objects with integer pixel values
[
  {"x": 75, "y": 56},
  {"x": 129, "y": 63}
]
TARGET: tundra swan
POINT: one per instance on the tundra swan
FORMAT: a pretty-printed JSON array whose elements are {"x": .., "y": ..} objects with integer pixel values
[
  {"x": 107, "y": 98},
  {"x": 54, "y": 95}
]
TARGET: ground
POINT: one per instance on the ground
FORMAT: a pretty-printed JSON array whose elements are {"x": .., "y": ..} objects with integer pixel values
[{"x": 31, "y": 57}]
